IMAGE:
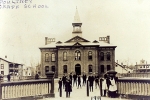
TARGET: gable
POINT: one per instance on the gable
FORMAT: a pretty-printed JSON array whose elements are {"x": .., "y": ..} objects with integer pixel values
[
  {"x": 77, "y": 39},
  {"x": 77, "y": 44}
]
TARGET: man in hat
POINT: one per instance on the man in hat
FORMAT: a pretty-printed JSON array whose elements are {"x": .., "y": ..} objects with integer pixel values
[
  {"x": 84, "y": 79},
  {"x": 60, "y": 84},
  {"x": 68, "y": 87},
  {"x": 64, "y": 80},
  {"x": 91, "y": 80},
  {"x": 74, "y": 79}
]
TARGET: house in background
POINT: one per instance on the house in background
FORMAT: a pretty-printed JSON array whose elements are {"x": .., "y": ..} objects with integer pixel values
[
  {"x": 142, "y": 66},
  {"x": 29, "y": 71},
  {"x": 8, "y": 67}
]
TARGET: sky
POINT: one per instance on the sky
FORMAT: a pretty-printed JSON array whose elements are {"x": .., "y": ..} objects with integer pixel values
[{"x": 127, "y": 22}]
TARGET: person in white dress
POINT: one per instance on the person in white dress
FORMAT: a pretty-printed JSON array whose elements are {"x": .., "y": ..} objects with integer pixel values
[
  {"x": 104, "y": 85},
  {"x": 112, "y": 88}
]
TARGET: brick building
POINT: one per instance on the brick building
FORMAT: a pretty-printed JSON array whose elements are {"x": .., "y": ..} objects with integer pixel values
[{"x": 77, "y": 54}]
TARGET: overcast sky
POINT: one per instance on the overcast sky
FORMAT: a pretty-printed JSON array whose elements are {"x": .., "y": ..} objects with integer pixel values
[{"x": 127, "y": 22}]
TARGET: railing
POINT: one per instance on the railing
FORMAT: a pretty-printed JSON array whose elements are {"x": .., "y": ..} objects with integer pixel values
[
  {"x": 27, "y": 89},
  {"x": 18, "y": 78},
  {"x": 134, "y": 87},
  {"x": 146, "y": 75}
]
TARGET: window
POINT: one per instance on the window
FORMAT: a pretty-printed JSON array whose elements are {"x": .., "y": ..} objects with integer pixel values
[
  {"x": 2, "y": 72},
  {"x": 102, "y": 56},
  {"x": 64, "y": 55},
  {"x": 102, "y": 68},
  {"x": 65, "y": 69},
  {"x": 53, "y": 68},
  {"x": 108, "y": 55},
  {"x": 147, "y": 67},
  {"x": 90, "y": 55},
  {"x": 77, "y": 55},
  {"x": 46, "y": 57},
  {"x": 108, "y": 67},
  {"x": 90, "y": 69},
  {"x": 2, "y": 66},
  {"x": 46, "y": 69},
  {"x": 53, "y": 57}
]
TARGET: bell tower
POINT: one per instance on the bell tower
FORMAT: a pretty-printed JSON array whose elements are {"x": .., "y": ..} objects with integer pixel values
[{"x": 76, "y": 25}]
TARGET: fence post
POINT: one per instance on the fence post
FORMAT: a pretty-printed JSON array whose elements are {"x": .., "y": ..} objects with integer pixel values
[
  {"x": 101, "y": 94},
  {"x": 50, "y": 75},
  {"x": 60, "y": 91},
  {"x": 87, "y": 87}
]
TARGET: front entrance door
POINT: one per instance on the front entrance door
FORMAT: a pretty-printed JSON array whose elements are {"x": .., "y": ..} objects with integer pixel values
[{"x": 78, "y": 69}]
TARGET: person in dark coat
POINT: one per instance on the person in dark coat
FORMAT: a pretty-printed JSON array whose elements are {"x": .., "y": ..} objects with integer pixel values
[
  {"x": 64, "y": 81},
  {"x": 60, "y": 84},
  {"x": 37, "y": 76},
  {"x": 68, "y": 87},
  {"x": 74, "y": 79},
  {"x": 96, "y": 81},
  {"x": 79, "y": 81},
  {"x": 84, "y": 79},
  {"x": 91, "y": 80},
  {"x": 8, "y": 77},
  {"x": 70, "y": 76}
]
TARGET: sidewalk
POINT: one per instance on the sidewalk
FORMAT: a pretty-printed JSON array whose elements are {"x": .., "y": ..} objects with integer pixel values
[{"x": 78, "y": 94}]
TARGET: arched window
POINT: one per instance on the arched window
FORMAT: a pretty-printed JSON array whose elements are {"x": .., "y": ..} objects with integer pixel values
[
  {"x": 64, "y": 55},
  {"x": 46, "y": 69},
  {"x": 53, "y": 68},
  {"x": 108, "y": 67},
  {"x": 53, "y": 57},
  {"x": 108, "y": 55},
  {"x": 90, "y": 55},
  {"x": 77, "y": 55},
  {"x": 102, "y": 68},
  {"x": 102, "y": 56},
  {"x": 90, "y": 68},
  {"x": 46, "y": 57},
  {"x": 65, "y": 69}
]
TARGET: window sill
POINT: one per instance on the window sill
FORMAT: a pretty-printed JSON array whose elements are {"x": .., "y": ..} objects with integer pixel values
[{"x": 53, "y": 61}]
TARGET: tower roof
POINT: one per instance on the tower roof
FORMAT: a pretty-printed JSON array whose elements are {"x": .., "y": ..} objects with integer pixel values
[{"x": 76, "y": 17}]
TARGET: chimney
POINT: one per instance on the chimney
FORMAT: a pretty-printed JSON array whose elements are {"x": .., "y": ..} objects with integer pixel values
[
  {"x": 117, "y": 61},
  {"x": 136, "y": 63},
  {"x": 46, "y": 40},
  {"x": 108, "y": 39},
  {"x": 5, "y": 56}
]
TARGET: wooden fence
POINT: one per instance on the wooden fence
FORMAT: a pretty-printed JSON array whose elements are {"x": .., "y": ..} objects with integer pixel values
[
  {"x": 133, "y": 75},
  {"x": 27, "y": 89},
  {"x": 131, "y": 87}
]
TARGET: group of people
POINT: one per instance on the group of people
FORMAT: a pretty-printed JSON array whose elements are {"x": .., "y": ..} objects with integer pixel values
[
  {"x": 69, "y": 81},
  {"x": 109, "y": 86}
]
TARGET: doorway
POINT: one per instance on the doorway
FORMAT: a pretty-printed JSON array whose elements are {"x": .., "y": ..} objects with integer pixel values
[{"x": 78, "y": 69}]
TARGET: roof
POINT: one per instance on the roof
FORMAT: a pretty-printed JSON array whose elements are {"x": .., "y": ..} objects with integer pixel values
[
  {"x": 77, "y": 38},
  {"x": 10, "y": 61},
  {"x": 76, "y": 43}
]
